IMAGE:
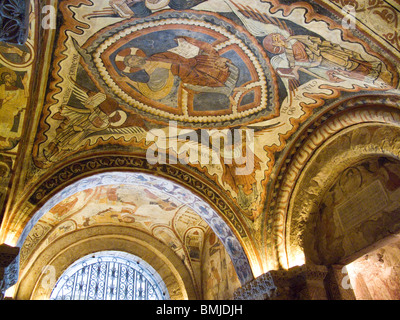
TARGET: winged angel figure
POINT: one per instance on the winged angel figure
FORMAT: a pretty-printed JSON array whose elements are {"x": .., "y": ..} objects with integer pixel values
[
  {"x": 92, "y": 113},
  {"x": 311, "y": 55}
]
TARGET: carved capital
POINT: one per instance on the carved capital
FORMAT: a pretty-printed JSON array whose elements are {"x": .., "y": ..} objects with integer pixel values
[
  {"x": 298, "y": 283},
  {"x": 259, "y": 289},
  {"x": 7, "y": 255}
]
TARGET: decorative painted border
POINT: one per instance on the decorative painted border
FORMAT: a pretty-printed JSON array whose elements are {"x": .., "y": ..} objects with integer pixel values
[
  {"x": 382, "y": 10},
  {"x": 75, "y": 170}
]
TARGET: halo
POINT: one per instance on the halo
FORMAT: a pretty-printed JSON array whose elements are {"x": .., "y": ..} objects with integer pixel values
[
  {"x": 120, "y": 59},
  {"x": 123, "y": 115},
  {"x": 269, "y": 46},
  {"x": 7, "y": 70}
]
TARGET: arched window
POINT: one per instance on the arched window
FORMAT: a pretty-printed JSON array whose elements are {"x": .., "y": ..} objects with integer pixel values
[{"x": 110, "y": 275}]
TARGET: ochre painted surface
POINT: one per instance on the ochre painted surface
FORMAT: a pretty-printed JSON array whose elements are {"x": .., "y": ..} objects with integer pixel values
[{"x": 118, "y": 81}]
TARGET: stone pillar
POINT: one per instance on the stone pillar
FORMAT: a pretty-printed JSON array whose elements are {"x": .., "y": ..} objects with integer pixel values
[
  {"x": 8, "y": 268},
  {"x": 298, "y": 283},
  {"x": 337, "y": 283}
]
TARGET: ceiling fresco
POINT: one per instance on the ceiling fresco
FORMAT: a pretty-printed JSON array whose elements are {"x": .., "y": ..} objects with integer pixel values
[
  {"x": 17, "y": 64},
  {"x": 143, "y": 208},
  {"x": 378, "y": 17},
  {"x": 212, "y": 94},
  {"x": 163, "y": 209},
  {"x": 121, "y": 71}
]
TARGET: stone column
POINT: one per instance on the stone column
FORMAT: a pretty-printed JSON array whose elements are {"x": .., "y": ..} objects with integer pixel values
[
  {"x": 298, "y": 283},
  {"x": 338, "y": 284},
  {"x": 8, "y": 268}
]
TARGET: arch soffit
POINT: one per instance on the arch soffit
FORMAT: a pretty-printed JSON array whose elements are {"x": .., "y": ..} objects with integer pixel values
[
  {"x": 71, "y": 247},
  {"x": 231, "y": 242},
  {"x": 285, "y": 221}
]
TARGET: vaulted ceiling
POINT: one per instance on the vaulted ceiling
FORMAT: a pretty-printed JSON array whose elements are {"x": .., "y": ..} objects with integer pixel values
[{"x": 145, "y": 85}]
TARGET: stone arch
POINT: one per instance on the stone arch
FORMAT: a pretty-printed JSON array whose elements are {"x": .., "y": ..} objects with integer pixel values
[
  {"x": 314, "y": 167},
  {"x": 35, "y": 281},
  {"x": 222, "y": 229}
]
